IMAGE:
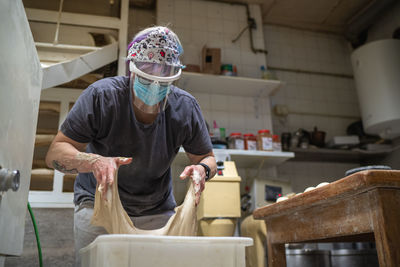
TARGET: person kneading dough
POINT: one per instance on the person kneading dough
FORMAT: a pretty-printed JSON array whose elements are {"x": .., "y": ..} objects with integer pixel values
[{"x": 134, "y": 126}]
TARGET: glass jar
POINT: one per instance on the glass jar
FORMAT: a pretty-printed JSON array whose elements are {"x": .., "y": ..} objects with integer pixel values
[
  {"x": 250, "y": 141},
  {"x": 264, "y": 140},
  {"x": 236, "y": 141},
  {"x": 276, "y": 143}
]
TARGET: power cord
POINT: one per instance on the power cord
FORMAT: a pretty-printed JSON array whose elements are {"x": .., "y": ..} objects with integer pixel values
[{"x": 37, "y": 235}]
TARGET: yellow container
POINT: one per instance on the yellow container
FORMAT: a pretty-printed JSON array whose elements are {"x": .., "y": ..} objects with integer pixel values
[
  {"x": 217, "y": 227},
  {"x": 221, "y": 196}
]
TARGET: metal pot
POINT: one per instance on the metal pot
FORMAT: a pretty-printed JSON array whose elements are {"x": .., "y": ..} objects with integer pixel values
[
  {"x": 354, "y": 258},
  {"x": 307, "y": 258}
]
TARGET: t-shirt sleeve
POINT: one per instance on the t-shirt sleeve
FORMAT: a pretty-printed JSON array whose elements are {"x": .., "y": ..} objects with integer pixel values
[
  {"x": 198, "y": 141},
  {"x": 82, "y": 122}
]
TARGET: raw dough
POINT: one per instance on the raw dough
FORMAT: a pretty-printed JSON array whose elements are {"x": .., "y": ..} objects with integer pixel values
[
  {"x": 281, "y": 199},
  {"x": 111, "y": 215},
  {"x": 309, "y": 189},
  {"x": 322, "y": 184}
]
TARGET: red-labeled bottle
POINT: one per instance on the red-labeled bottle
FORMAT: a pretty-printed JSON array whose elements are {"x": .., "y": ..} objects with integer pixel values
[
  {"x": 250, "y": 141},
  {"x": 264, "y": 140},
  {"x": 236, "y": 141}
]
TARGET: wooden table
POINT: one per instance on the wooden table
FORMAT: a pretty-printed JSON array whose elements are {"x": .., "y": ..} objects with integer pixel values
[{"x": 361, "y": 207}]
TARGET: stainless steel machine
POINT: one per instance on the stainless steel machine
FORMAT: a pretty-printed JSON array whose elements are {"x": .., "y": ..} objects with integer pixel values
[{"x": 21, "y": 82}]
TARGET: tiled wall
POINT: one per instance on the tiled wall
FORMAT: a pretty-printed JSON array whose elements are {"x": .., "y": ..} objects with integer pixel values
[
  {"x": 326, "y": 101},
  {"x": 306, "y": 50},
  {"x": 305, "y": 174},
  {"x": 139, "y": 19},
  {"x": 215, "y": 25},
  {"x": 200, "y": 23}
]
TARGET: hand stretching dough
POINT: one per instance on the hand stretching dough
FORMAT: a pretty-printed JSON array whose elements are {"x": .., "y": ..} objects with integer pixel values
[{"x": 111, "y": 215}]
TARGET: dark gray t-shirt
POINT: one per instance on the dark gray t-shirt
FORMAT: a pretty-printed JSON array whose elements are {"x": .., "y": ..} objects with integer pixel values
[{"x": 103, "y": 117}]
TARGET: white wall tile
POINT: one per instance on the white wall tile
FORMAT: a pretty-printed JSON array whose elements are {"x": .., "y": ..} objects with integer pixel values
[
  {"x": 248, "y": 57},
  {"x": 214, "y": 10},
  {"x": 167, "y": 6},
  {"x": 199, "y": 8},
  {"x": 231, "y": 56},
  {"x": 244, "y": 40},
  {"x": 199, "y": 23},
  {"x": 191, "y": 54},
  {"x": 235, "y": 104},
  {"x": 215, "y": 25},
  {"x": 221, "y": 117},
  {"x": 164, "y": 18},
  {"x": 204, "y": 100},
  {"x": 236, "y": 121},
  {"x": 184, "y": 34},
  {"x": 183, "y": 21},
  {"x": 182, "y": 7},
  {"x": 241, "y": 13},
  {"x": 251, "y": 71},
  {"x": 229, "y": 12},
  {"x": 228, "y": 44},
  {"x": 200, "y": 38},
  {"x": 219, "y": 102},
  {"x": 230, "y": 26}
]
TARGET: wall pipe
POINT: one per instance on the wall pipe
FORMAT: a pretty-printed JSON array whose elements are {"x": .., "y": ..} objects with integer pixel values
[{"x": 251, "y": 24}]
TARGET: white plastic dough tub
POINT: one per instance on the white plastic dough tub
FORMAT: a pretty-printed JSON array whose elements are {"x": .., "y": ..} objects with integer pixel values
[{"x": 146, "y": 251}]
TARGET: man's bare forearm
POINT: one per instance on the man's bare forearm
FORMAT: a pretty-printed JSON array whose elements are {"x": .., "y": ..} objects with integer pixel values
[
  {"x": 65, "y": 158},
  {"x": 57, "y": 165}
]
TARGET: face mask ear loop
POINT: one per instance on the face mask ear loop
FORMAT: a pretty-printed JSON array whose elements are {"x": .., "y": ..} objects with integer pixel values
[
  {"x": 165, "y": 101},
  {"x": 131, "y": 82}
]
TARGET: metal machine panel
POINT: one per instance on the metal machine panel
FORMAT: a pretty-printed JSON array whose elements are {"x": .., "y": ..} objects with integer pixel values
[
  {"x": 265, "y": 192},
  {"x": 20, "y": 76}
]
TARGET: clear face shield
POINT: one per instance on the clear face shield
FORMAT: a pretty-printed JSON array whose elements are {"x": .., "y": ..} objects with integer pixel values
[{"x": 150, "y": 83}]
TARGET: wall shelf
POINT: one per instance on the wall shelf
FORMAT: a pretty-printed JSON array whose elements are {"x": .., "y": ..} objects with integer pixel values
[
  {"x": 227, "y": 85},
  {"x": 336, "y": 155},
  {"x": 244, "y": 158}
]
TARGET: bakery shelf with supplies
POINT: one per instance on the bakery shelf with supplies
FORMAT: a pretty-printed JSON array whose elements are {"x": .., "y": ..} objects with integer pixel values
[
  {"x": 337, "y": 155},
  {"x": 227, "y": 85},
  {"x": 244, "y": 158}
]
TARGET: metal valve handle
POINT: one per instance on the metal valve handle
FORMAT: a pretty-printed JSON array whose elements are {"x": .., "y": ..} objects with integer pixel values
[{"x": 9, "y": 179}]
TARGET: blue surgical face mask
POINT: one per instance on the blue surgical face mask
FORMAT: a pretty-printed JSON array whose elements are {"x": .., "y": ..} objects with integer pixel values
[{"x": 151, "y": 93}]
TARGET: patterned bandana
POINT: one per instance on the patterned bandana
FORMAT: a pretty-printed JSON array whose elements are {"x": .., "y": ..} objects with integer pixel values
[{"x": 157, "y": 45}]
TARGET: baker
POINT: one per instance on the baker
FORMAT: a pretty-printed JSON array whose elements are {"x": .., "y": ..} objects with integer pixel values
[{"x": 135, "y": 124}]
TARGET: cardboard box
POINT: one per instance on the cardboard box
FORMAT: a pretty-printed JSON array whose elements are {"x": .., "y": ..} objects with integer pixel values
[{"x": 211, "y": 60}]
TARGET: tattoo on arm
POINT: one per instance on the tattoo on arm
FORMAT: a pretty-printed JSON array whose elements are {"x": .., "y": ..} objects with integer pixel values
[{"x": 62, "y": 168}]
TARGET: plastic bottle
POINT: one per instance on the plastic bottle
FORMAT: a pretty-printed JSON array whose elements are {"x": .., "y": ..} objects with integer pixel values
[
  {"x": 264, "y": 140},
  {"x": 265, "y": 74},
  {"x": 234, "y": 70},
  {"x": 236, "y": 141},
  {"x": 250, "y": 141},
  {"x": 215, "y": 132}
]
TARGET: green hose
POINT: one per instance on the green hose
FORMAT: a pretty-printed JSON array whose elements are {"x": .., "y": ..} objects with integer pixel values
[{"x": 37, "y": 235}]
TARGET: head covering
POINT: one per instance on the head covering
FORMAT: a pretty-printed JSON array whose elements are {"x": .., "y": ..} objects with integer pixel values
[{"x": 156, "y": 45}]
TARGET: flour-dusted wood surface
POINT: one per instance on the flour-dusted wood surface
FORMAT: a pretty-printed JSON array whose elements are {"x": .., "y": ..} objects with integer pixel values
[{"x": 363, "y": 206}]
